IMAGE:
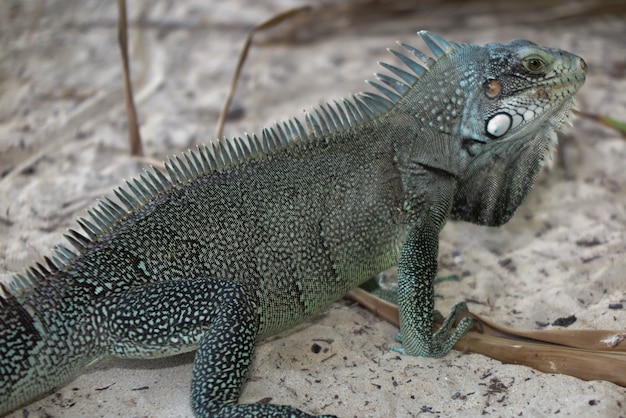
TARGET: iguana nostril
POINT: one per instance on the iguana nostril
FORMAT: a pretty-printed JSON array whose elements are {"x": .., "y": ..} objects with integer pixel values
[{"x": 582, "y": 63}]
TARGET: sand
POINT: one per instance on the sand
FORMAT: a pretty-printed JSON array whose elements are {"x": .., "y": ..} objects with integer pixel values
[{"x": 63, "y": 145}]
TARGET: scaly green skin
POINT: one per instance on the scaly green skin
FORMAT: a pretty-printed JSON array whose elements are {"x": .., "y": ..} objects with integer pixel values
[{"x": 249, "y": 237}]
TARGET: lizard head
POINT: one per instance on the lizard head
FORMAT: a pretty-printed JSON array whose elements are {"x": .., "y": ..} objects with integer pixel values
[{"x": 520, "y": 96}]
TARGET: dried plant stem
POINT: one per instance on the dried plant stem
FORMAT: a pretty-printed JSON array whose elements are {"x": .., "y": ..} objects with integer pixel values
[
  {"x": 586, "y": 354},
  {"x": 273, "y": 21},
  {"x": 134, "y": 136}
]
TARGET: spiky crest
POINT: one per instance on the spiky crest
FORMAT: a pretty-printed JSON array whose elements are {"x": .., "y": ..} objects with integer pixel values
[{"x": 323, "y": 120}]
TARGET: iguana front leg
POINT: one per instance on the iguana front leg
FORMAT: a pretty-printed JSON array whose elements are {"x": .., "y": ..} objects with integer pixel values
[{"x": 417, "y": 269}]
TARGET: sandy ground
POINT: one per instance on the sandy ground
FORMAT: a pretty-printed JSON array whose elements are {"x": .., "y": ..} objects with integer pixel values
[{"x": 62, "y": 145}]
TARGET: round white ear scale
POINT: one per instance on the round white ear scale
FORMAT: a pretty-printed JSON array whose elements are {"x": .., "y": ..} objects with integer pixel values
[{"x": 499, "y": 124}]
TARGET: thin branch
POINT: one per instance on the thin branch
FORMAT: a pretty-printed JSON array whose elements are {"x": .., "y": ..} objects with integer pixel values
[
  {"x": 271, "y": 22},
  {"x": 134, "y": 137}
]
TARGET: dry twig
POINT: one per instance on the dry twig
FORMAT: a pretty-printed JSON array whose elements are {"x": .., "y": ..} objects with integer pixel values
[
  {"x": 586, "y": 354},
  {"x": 134, "y": 136}
]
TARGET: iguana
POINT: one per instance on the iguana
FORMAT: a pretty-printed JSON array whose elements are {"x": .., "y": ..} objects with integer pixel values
[{"x": 246, "y": 237}]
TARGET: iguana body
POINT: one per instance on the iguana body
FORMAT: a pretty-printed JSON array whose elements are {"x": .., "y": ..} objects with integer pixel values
[{"x": 249, "y": 237}]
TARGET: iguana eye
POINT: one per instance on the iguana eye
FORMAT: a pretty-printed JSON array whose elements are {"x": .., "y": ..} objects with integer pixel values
[{"x": 534, "y": 64}]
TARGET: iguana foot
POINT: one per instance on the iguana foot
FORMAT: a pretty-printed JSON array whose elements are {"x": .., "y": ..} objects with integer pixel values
[{"x": 442, "y": 341}]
